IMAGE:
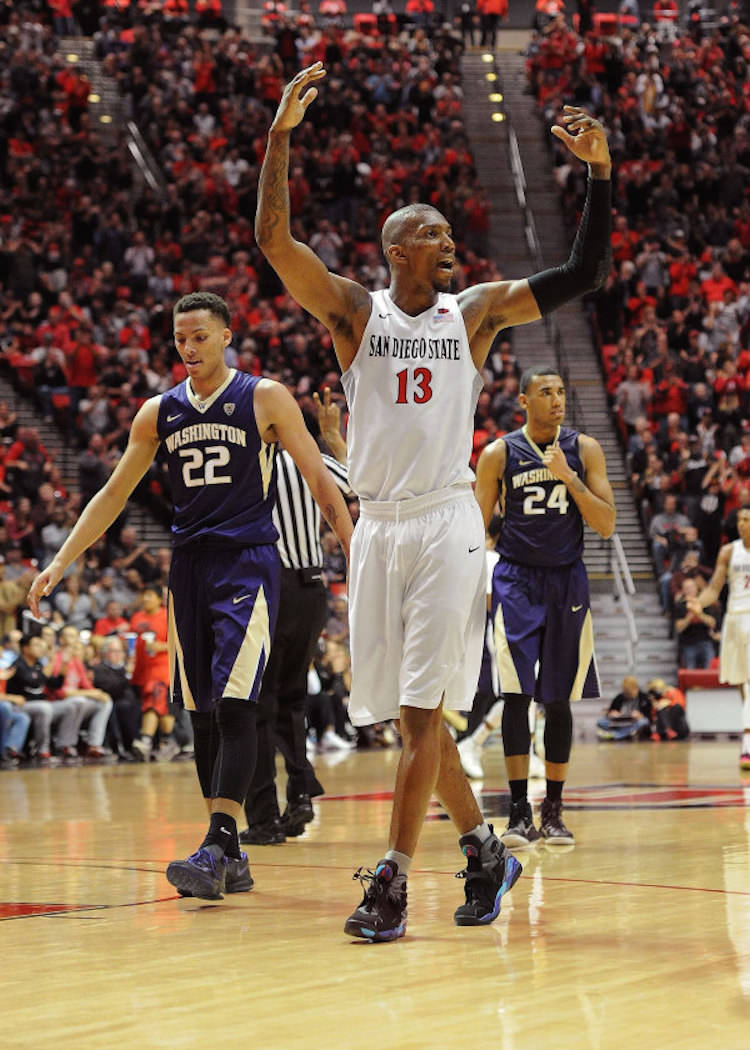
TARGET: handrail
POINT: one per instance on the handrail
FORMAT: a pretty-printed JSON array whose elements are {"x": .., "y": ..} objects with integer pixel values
[{"x": 141, "y": 154}]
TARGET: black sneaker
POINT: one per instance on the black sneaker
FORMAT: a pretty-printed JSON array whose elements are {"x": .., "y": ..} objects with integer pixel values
[
  {"x": 202, "y": 875},
  {"x": 551, "y": 826},
  {"x": 382, "y": 914},
  {"x": 490, "y": 872},
  {"x": 297, "y": 814},
  {"x": 268, "y": 833},
  {"x": 520, "y": 830}
]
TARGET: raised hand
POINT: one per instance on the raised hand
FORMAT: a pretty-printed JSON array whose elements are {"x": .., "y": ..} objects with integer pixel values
[
  {"x": 298, "y": 94},
  {"x": 589, "y": 139}
]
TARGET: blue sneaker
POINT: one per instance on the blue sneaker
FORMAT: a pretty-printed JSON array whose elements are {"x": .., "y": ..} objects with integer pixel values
[
  {"x": 202, "y": 875},
  {"x": 239, "y": 879},
  {"x": 382, "y": 914},
  {"x": 490, "y": 872}
]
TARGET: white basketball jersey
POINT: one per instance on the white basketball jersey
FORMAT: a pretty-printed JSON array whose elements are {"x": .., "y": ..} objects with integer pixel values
[
  {"x": 412, "y": 391},
  {"x": 738, "y": 578}
]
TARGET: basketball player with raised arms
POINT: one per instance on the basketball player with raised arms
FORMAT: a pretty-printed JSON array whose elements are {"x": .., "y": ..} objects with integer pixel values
[
  {"x": 733, "y": 568},
  {"x": 219, "y": 429},
  {"x": 547, "y": 479},
  {"x": 411, "y": 356}
]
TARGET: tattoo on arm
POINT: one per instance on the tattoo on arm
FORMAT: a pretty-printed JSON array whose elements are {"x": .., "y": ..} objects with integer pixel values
[
  {"x": 273, "y": 196},
  {"x": 578, "y": 485}
]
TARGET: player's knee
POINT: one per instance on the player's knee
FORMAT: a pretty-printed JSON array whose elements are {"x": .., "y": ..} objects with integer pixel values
[
  {"x": 515, "y": 724},
  {"x": 558, "y": 731}
]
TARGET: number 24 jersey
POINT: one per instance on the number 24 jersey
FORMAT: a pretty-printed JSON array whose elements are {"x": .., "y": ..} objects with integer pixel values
[{"x": 542, "y": 524}]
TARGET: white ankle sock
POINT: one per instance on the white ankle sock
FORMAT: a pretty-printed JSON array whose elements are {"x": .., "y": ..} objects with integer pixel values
[
  {"x": 481, "y": 831},
  {"x": 404, "y": 862}
]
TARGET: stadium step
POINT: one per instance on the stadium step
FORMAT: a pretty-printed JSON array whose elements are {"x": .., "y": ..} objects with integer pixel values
[{"x": 655, "y": 652}]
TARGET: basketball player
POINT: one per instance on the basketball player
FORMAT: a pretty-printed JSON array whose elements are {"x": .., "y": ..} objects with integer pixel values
[
  {"x": 219, "y": 428},
  {"x": 733, "y": 568},
  {"x": 548, "y": 479},
  {"x": 410, "y": 357}
]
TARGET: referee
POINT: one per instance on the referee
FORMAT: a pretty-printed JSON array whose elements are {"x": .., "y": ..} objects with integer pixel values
[{"x": 302, "y": 615}]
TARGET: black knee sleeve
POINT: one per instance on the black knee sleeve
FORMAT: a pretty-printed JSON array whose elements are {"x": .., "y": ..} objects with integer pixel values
[
  {"x": 204, "y": 742},
  {"x": 558, "y": 731},
  {"x": 516, "y": 734},
  {"x": 237, "y": 748}
]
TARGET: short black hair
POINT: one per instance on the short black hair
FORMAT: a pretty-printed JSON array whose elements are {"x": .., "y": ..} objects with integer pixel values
[
  {"x": 203, "y": 301},
  {"x": 534, "y": 372},
  {"x": 26, "y": 639}
]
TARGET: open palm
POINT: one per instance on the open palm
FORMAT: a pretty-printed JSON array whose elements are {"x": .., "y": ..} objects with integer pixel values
[
  {"x": 298, "y": 94},
  {"x": 589, "y": 139}
]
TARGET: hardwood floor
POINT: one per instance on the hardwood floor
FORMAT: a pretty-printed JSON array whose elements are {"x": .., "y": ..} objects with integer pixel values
[{"x": 639, "y": 936}]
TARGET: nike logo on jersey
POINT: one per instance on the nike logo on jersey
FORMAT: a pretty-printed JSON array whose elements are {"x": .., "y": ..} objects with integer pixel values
[
  {"x": 171, "y": 419},
  {"x": 525, "y": 462},
  {"x": 240, "y": 598},
  {"x": 383, "y": 316},
  {"x": 472, "y": 549},
  {"x": 576, "y": 608}
]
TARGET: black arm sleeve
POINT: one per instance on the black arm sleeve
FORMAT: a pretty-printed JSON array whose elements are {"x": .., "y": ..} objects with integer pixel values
[{"x": 590, "y": 257}]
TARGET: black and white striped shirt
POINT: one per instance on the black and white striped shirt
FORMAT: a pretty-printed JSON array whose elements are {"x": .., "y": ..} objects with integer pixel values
[{"x": 296, "y": 514}]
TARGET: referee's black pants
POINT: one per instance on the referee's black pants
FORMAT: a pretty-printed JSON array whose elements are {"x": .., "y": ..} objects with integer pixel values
[{"x": 303, "y": 610}]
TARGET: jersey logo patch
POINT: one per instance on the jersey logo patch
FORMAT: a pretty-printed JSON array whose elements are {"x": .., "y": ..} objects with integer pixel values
[
  {"x": 171, "y": 419},
  {"x": 229, "y": 407},
  {"x": 525, "y": 462}
]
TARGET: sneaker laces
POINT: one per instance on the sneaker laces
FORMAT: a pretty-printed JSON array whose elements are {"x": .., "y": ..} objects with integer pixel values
[{"x": 374, "y": 886}]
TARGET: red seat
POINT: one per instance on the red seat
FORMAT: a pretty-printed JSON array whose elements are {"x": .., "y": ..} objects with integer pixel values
[{"x": 701, "y": 679}]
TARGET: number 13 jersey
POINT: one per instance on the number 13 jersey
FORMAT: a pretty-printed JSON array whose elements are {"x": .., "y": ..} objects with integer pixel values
[
  {"x": 542, "y": 524},
  {"x": 412, "y": 390},
  {"x": 222, "y": 474}
]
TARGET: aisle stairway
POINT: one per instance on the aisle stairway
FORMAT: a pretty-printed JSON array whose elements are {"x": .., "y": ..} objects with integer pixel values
[
  {"x": 655, "y": 652},
  {"x": 65, "y": 457}
]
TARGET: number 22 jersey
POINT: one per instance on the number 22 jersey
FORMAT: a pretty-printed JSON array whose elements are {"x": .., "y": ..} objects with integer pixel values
[
  {"x": 542, "y": 524},
  {"x": 412, "y": 389},
  {"x": 222, "y": 474}
]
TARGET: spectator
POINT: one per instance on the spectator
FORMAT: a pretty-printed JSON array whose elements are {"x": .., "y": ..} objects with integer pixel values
[
  {"x": 30, "y": 681},
  {"x": 668, "y": 718},
  {"x": 663, "y": 532},
  {"x": 628, "y": 715},
  {"x": 111, "y": 677},
  {"x": 695, "y": 631},
  {"x": 93, "y": 706}
]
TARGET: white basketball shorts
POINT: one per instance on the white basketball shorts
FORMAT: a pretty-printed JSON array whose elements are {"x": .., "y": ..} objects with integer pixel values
[
  {"x": 734, "y": 650},
  {"x": 416, "y": 604}
]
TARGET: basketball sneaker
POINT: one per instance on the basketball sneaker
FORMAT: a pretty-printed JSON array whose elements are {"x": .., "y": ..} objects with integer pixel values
[
  {"x": 745, "y": 760},
  {"x": 551, "y": 825},
  {"x": 470, "y": 753},
  {"x": 265, "y": 833},
  {"x": 490, "y": 872},
  {"x": 142, "y": 747},
  {"x": 203, "y": 874},
  {"x": 520, "y": 830},
  {"x": 239, "y": 879},
  {"x": 382, "y": 914},
  {"x": 298, "y": 813}
]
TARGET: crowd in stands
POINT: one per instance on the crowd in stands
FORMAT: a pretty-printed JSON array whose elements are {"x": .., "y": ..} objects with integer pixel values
[
  {"x": 673, "y": 320},
  {"x": 91, "y": 259}
]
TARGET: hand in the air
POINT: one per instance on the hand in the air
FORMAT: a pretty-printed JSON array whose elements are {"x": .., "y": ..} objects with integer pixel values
[
  {"x": 298, "y": 94},
  {"x": 589, "y": 141}
]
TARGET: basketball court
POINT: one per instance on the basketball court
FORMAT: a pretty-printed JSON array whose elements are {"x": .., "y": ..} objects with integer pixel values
[{"x": 639, "y": 936}]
